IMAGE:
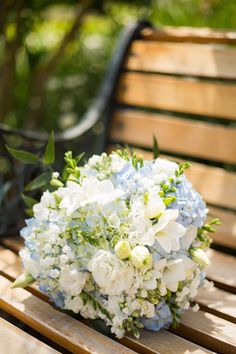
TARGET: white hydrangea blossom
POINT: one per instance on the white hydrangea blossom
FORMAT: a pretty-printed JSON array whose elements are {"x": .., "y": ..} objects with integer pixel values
[{"x": 119, "y": 242}]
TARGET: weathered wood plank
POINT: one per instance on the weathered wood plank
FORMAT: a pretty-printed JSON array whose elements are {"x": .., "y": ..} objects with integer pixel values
[
  {"x": 218, "y": 302},
  {"x": 178, "y": 94},
  {"x": 216, "y": 333},
  {"x": 62, "y": 329},
  {"x": 182, "y": 58},
  {"x": 222, "y": 270},
  {"x": 189, "y": 34},
  {"x": 162, "y": 342},
  {"x": 178, "y": 135},
  {"x": 226, "y": 232},
  {"x": 14, "y": 340}
]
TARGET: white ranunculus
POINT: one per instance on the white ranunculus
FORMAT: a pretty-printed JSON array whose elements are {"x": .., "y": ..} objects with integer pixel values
[
  {"x": 141, "y": 257},
  {"x": 72, "y": 280},
  {"x": 30, "y": 265},
  {"x": 168, "y": 232},
  {"x": 111, "y": 274}
]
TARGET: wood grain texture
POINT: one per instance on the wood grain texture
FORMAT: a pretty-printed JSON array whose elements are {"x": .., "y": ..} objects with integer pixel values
[
  {"x": 222, "y": 270},
  {"x": 182, "y": 58},
  {"x": 226, "y": 232},
  {"x": 62, "y": 329},
  {"x": 178, "y": 94},
  {"x": 178, "y": 135},
  {"x": 189, "y": 34},
  {"x": 218, "y": 302},
  {"x": 162, "y": 342},
  {"x": 13, "y": 340},
  {"x": 216, "y": 333}
]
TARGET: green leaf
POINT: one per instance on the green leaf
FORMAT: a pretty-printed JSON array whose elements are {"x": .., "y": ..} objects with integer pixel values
[
  {"x": 23, "y": 156},
  {"x": 49, "y": 155},
  {"x": 156, "y": 151},
  {"x": 79, "y": 157},
  {"x": 29, "y": 202},
  {"x": 39, "y": 181}
]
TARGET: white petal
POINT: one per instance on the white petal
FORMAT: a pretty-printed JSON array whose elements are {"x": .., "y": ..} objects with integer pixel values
[
  {"x": 188, "y": 237},
  {"x": 172, "y": 286},
  {"x": 165, "y": 241}
]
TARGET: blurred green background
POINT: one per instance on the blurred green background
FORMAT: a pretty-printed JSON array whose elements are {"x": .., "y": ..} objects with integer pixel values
[{"x": 53, "y": 54}]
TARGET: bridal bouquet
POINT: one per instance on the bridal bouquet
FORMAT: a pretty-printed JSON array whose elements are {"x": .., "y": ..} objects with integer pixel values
[{"x": 119, "y": 239}]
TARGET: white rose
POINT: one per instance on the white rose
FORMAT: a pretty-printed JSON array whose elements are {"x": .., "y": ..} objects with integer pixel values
[
  {"x": 111, "y": 274},
  {"x": 72, "y": 280}
]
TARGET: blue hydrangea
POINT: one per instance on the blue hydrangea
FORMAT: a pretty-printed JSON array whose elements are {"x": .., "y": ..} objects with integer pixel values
[
  {"x": 162, "y": 319},
  {"x": 192, "y": 209}
]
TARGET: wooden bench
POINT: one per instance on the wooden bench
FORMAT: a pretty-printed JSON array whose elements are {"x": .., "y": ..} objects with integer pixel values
[{"x": 179, "y": 85}]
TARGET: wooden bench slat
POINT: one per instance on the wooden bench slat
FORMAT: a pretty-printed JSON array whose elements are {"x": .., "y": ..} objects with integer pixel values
[
  {"x": 62, "y": 329},
  {"x": 178, "y": 94},
  {"x": 222, "y": 270},
  {"x": 226, "y": 232},
  {"x": 13, "y": 339},
  {"x": 182, "y": 58},
  {"x": 162, "y": 342},
  {"x": 216, "y": 333},
  {"x": 218, "y": 302},
  {"x": 190, "y": 34},
  {"x": 187, "y": 137}
]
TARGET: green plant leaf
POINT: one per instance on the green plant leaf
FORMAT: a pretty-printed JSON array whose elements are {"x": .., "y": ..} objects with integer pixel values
[
  {"x": 79, "y": 157},
  {"x": 39, "y": 182},
  {"x": 156, "y": 151},
  {"x": 49, "y": 155},
  {"x": 29, "y": 202},
  {"x": 23, "y": 156}
]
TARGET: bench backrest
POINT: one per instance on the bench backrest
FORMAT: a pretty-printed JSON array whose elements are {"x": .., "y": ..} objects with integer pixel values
[{"x": 181, "y": 87}]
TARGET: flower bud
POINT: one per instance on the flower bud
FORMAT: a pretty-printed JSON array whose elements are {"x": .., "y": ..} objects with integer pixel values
[
  {"x": 141, "y": 257},
  {"x": 122, "y": 249},
  {"x": 22, "y": 281},
  {"x": 200, "y": 257}
]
